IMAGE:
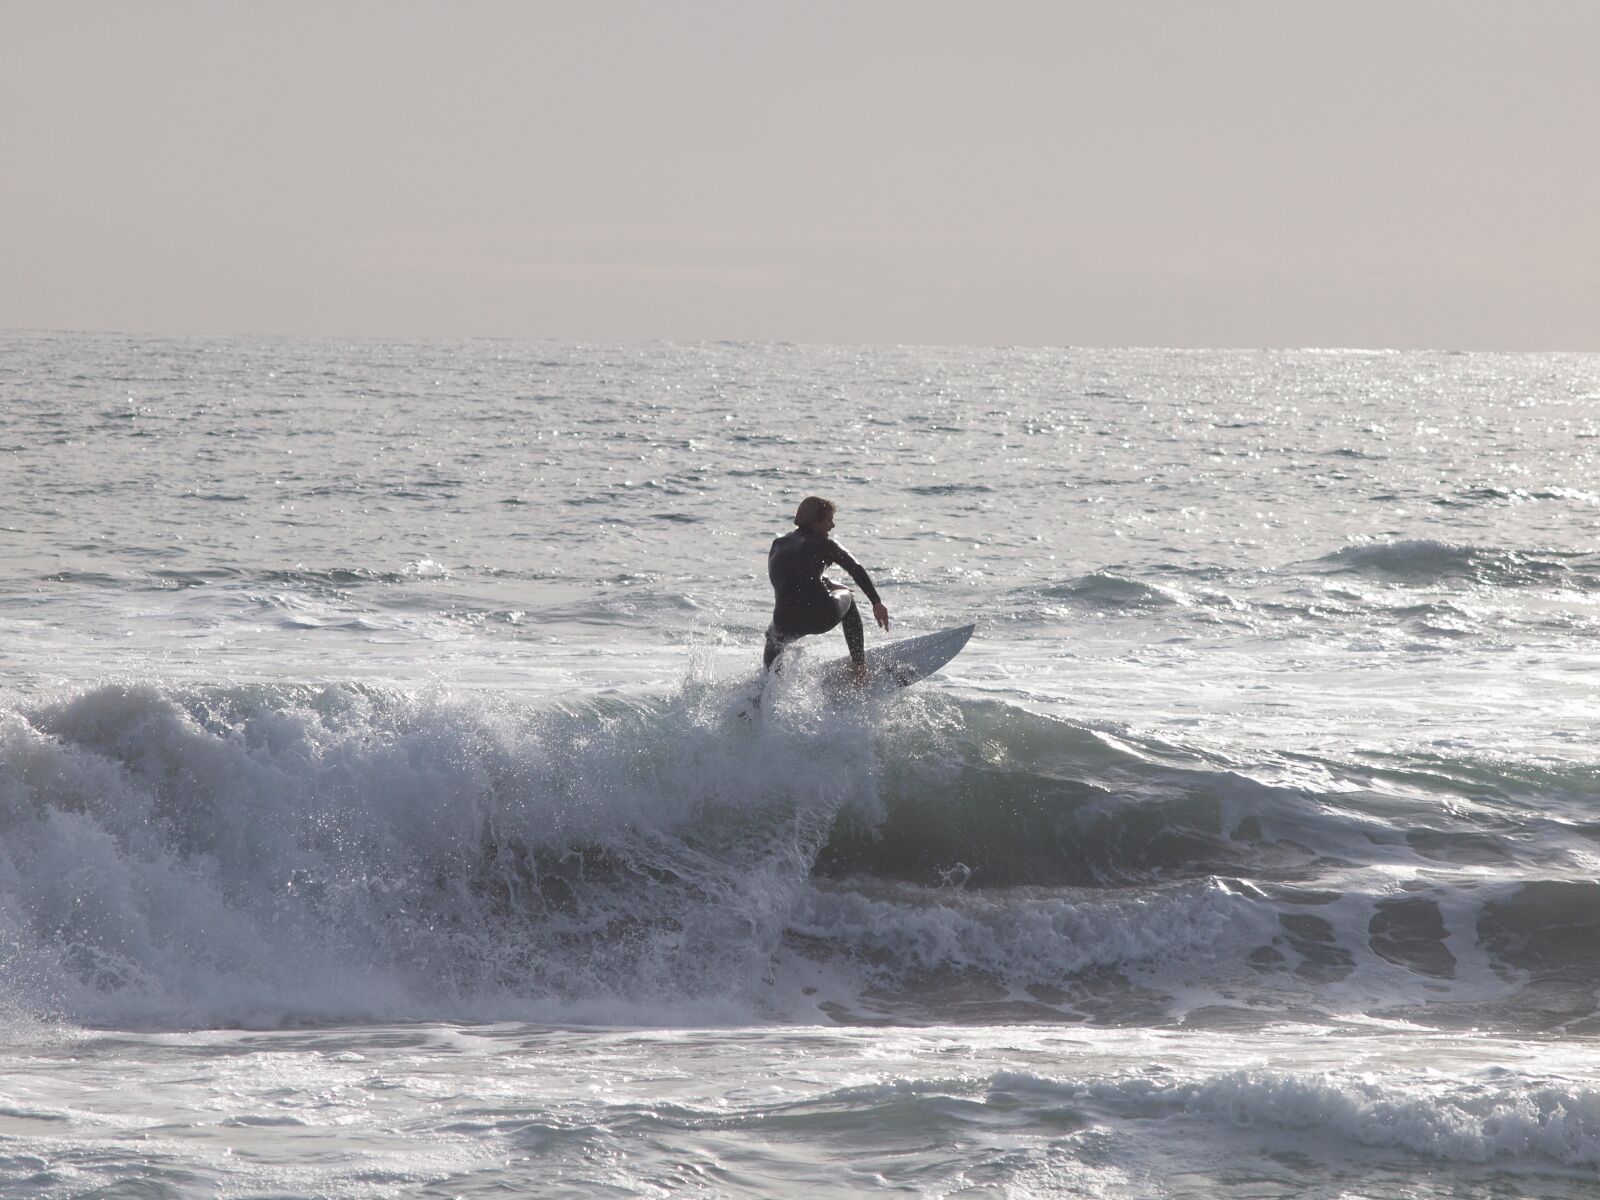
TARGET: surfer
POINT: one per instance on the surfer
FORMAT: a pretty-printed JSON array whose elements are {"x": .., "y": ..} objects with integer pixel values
[{"x": 803, "y": 601}]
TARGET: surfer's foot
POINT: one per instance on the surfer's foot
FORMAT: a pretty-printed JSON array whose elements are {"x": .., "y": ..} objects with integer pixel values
[{"x": 858, "y": 674}]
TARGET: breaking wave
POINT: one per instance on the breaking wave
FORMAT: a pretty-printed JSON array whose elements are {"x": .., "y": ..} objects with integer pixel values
[{"x": 268, "y": 854}]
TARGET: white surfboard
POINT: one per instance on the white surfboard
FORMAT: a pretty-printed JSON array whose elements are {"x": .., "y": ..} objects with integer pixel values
[
  {"x": 900, "y": 664},
  {"x": 890, "y": 667}
]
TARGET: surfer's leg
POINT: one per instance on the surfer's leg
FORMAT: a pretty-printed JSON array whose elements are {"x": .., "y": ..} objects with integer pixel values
[
  {"x": 774, "y": 648},
  {"x": 854, "y": 636},
  {"x": 839, "y": 605},
  {"x": 844, "y": 603}
]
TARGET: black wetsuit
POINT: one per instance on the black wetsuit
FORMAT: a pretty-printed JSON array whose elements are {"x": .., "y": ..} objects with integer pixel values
[{"x": 803, "y": 602}]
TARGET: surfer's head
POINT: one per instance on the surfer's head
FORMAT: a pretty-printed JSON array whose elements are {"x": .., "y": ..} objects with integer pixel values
[{"x": 815, "y": 514}]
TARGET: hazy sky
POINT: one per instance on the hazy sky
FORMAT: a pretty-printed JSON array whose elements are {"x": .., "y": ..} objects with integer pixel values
[{"x": 1188, "y": 173}]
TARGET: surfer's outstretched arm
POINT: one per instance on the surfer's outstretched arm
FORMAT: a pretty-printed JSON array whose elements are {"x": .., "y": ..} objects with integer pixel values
[{"x": 839, "y": 556}]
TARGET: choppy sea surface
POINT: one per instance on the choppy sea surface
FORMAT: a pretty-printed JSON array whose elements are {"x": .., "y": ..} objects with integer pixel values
[{"x": 377, "y": 819}]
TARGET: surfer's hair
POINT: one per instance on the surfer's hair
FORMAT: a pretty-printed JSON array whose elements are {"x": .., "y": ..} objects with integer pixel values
[{"x": 813, "y": 509}]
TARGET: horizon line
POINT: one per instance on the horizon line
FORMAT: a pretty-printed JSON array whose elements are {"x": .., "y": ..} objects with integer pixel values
[{"x": 792, "y": 342}]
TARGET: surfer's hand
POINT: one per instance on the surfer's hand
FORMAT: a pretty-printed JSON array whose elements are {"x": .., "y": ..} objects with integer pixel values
[{"x": 881, "y": 615}]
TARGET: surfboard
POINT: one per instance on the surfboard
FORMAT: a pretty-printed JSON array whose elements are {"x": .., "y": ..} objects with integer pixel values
[
  {"x": 897, "y": 665},
  {"x": 900, "y": 664}
]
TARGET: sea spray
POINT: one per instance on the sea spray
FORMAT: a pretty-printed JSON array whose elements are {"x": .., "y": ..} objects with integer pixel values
[{"x": 235, "y": 853}]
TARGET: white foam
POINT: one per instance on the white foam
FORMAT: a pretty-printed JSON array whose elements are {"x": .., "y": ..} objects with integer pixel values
[{"x": 1478, "y": 1119}]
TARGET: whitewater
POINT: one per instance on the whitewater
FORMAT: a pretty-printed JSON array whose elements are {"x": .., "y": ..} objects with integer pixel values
[{"x": 377, "y": 817}]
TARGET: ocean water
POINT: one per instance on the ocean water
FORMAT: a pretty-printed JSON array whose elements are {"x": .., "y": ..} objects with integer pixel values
[{"x": 376, "y": 818}]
